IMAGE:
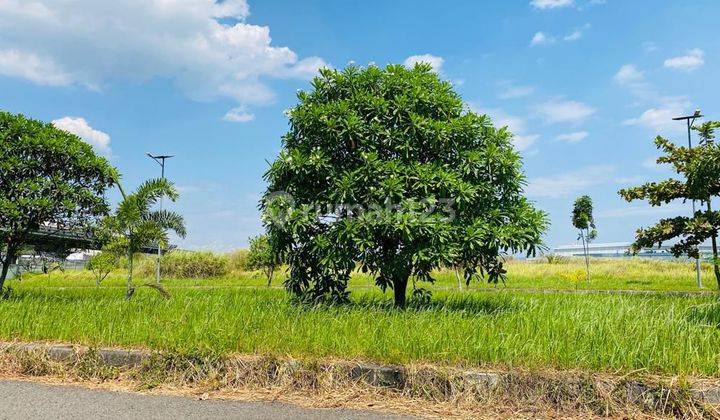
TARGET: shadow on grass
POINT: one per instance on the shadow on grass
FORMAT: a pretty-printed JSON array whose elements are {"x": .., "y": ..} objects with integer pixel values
[
  {"x": 462, "y": 304},
  {"x": 707, "y": 314},
  {"x": 74, "y": 295},
  {"x": 642, "y": 282}
]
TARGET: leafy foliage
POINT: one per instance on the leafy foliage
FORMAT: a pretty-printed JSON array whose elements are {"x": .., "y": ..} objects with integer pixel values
[
  {"x": 102, "y": 265},
  {"x": 584, "y": 221},
  {"x": 700, "y": 169},
  {"x": 261, "y": 257},
  {"x": 387, "y": 168},
  {"x": 134, "y": 225},
  {"x": 48, "y": 177}
]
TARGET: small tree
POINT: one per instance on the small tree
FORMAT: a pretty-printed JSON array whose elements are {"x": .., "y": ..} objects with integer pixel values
[
  {"x": 700, "y": 171},
  {"x": 102, "y": 265},
  {"x": 388, "y": 169},
  {"x": 262, "y": 258},
  {"x": 135, "y": 225},
  {"x": 47, "y": 177},
  {"x": 584, "y": 222}
]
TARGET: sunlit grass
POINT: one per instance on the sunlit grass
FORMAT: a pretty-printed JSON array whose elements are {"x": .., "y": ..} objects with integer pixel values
[
  {"x": 512, "y": 327},
  {"x": 661, "y": 334}
]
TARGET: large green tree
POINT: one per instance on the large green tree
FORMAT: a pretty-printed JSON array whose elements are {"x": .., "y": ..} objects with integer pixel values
[
  {"x": 48, "y": 177},
  {"x": 699, "y": 179},
  {"x": 135, "y": 225},
  {"x": 388, "y": 169}
]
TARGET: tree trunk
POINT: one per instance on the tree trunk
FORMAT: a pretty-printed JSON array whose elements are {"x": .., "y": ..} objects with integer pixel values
[
  {"x": 714, "y": 251},
  {"x": 9, "y": 257},
  {"x": 269, "y": 274},
  {"x": 586, "y": 250},
  {"x": 130, "y": 288},
  {"x": 399, "y": 288}
]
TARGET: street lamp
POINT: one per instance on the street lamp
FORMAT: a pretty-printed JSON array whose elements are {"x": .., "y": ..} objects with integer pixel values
[
  {"x": 160, "y": 159},
  {"x": 690, "y": 119}
]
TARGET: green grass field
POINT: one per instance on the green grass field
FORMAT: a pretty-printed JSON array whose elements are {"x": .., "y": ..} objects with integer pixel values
[
  {"x": 511, "y": 327},
  {"x": 606, "y": 274}
]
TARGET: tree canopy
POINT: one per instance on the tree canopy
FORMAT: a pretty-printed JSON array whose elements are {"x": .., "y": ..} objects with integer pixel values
[
  {"x": 48, "y": 177},
  {"x": 699, "y": 170},
  {"x": 387, "y": 168}
]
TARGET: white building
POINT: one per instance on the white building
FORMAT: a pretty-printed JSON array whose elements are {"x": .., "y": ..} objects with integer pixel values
[{"x": 618, "y": 249}]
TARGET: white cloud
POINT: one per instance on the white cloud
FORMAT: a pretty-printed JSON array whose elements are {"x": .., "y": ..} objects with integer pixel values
[
  {"x": 627, "y": 74},
  {"x": 435, "y": 61},
  {"x": 524, "y": 142},
  {"x": 576, "y": 34},
  {"x": 649, "y": 46},
  {"x": 688, "y": 62},
  {"x": 634, "y": 79},
  {"x": 569, "y": 183},
  {"x": 551, "y": 4},
  {"x": 204, "y": 47},
  {"x": 540, "y": 38},
  {"x": 99, "y": 140},
  {"x": 573, "y": 36},
  {"x": 29, "y": 66},
  {"x": 575, "y": 137},
  {"x": 517, "y": 125},
  {"x": 239, "y": 114},
  {"x": 512, "y": 92},
  {"x": 660, "y": 118},
  {"x": 560, "y": 110}
]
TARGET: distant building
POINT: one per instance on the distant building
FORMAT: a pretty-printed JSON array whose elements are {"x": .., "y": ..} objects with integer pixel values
[{"x": 619, "y": 249}]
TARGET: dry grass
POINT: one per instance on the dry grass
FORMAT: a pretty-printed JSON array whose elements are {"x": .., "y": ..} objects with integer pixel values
[{"x": 427, "y": 390}]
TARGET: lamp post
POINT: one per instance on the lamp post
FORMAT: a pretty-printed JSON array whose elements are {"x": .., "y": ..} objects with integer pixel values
[
  {"x": 160, "y": 160},
  {"x": 690, "y": 119}
]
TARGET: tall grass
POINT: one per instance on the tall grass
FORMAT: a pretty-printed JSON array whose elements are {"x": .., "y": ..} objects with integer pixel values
[
  {"x": 185, "y": 264},
  {"x": 660, "y": 334}
]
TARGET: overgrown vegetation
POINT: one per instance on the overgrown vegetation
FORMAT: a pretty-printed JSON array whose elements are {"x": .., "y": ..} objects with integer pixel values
[
  {"x": 661, "y": 334},
  {"x": 188, "y": 265},
  {"x": 421, "y": 389}
]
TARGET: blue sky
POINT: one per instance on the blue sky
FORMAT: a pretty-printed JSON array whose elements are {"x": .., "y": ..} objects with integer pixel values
[{"x": 585, "y": 86}]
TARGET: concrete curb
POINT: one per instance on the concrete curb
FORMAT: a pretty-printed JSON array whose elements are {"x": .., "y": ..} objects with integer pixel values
[
  {"x": 67, "y": 353},
  {"x": 386, "y": 376}
]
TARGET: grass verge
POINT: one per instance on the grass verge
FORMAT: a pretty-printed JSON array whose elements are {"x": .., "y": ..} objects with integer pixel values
[
  {"x": 422, "y": 389},
  {"x": 607, "y": 333}
]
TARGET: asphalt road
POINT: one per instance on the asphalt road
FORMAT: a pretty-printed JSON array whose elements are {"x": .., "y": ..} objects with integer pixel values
[{"x": 22, "y": 400}]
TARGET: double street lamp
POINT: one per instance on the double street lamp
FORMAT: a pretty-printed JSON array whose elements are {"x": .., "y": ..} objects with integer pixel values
[
  {"x": 690, "y": 120},
  {"x": 160, "y": 159}
]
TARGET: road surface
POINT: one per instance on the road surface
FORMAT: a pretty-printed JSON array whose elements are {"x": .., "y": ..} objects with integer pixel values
[{"x": 22, "y": 400}]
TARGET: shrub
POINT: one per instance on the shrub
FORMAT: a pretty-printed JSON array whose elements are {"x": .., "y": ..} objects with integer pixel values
[
  {"x": 261, "y": 257},
  {"x": 238, "y": 260},
  {"x": 187, "y": 264}
]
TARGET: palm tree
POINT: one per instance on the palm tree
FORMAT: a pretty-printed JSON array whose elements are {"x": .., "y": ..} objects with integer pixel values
[{"x": 135, "y": 225}]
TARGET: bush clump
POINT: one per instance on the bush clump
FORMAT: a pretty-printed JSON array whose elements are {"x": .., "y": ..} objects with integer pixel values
[
  {"x": 238, "y": 260},
  {"x": 187, "y": 264}
]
